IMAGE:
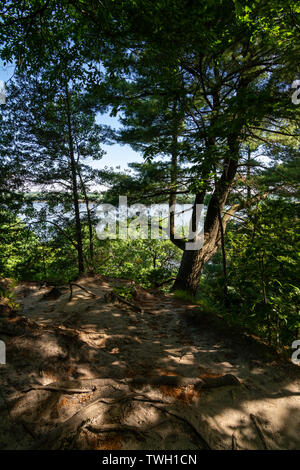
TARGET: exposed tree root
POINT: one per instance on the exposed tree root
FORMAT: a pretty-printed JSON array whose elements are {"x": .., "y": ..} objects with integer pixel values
[
  {"x": 28, "y": 430},
  {"x": 115, "y": 428},
  {"x": 176, "y": 381},
  {"x": 176, "y": 415},
  {"x": 80, "y": 386},
  {"x": 71, "y": 284},
  {"x": 54, "y": 388},
  {"x": 233, "y": 442},
  {"x": 112, "y": 297},
  {"x": 259, "y": 431},
  {"x": 91, "y": 411}
]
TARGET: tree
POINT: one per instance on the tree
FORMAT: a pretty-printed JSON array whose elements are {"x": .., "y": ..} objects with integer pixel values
[
  {"x": 262, "y": 256},
  {"x": 227, "y": 66},
  {"x": 56, "y": 130},
  {"x": 236, "y": 83}
]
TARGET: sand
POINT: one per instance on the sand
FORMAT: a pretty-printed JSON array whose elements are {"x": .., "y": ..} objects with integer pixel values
[{"x": 82, "y": 374}]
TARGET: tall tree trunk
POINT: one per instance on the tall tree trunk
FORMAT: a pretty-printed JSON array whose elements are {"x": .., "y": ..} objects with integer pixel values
[
  {"x": 89, "y": 219},
  {"x": 74, "y": 185},
  {"x": 189, "y": 273},
  {"x": 193, "y": 261},
  {"x": 265, "y": 298},
  {"x": 174, "y": 175},
  {"x": 173, "y": 194},
  {"x": 224, "y": 263},
  {"x": 173, "y": 169},
  {"x": 223, "y": 258},
  {"x": 248, "y": 174}
]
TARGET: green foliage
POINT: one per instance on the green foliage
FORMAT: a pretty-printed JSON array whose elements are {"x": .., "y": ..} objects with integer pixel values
[
  {"x": 24, "y": 256},
  {"x": 195, "y": 84},
  {"x": 7, "y": 296},
  {"x": 126, "y": 292},
  {"x": 147, "y": 262},
  {"x": 263, "y": 269},
  {"x": 183, "y": 295}
]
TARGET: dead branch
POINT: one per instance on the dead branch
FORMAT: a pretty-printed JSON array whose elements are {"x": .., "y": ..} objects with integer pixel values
[{"x": 71, "y": 284}]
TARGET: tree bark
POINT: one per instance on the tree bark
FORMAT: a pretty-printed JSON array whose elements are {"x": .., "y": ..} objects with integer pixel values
[
  {"x": 248, "y": 174},
  {"x": 89, "y": 219},
  {"x": 193, "y": 261},
  {"x": 173, "y": 172},
  {"x": 224, "y": 262},
  {"x": 173, "y": 194},
  {"x": 74, "y": 186}
]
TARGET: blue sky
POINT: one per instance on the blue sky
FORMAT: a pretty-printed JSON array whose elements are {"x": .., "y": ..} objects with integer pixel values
[{"x": 116, "y": 155}]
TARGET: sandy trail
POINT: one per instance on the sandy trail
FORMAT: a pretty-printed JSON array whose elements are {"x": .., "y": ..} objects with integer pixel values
[{"x": 90, "y": 349}]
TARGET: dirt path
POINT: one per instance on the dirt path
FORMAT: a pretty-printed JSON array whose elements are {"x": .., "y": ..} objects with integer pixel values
[{"x": 90, "y": 373}]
